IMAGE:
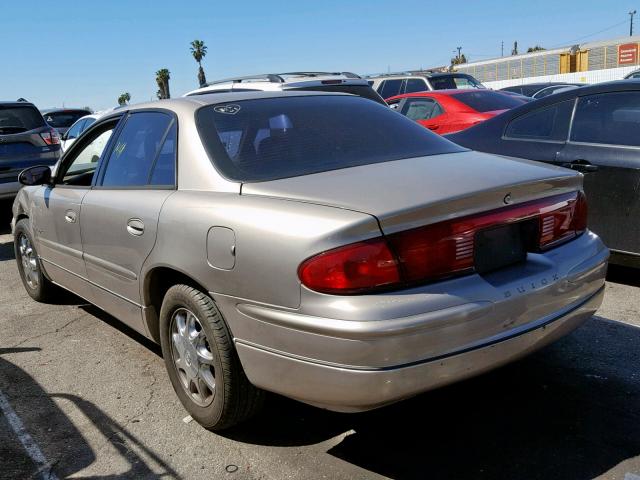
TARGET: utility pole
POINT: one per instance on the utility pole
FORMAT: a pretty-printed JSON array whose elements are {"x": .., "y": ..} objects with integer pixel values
[
  {"x": 502, "y": 48},
  {"x": 631, "y": 14},
  {"x": 458, "y": 48}
]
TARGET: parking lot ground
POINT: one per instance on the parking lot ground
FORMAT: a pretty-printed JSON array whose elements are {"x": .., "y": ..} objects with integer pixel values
[{"x": 93, "y": 397}]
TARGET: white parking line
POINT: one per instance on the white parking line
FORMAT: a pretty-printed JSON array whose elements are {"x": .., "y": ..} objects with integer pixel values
[{"x": 27, "y": 441}]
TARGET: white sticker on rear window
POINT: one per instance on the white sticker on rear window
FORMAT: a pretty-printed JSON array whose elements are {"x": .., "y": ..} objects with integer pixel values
[{"x": 228, "y": 109}]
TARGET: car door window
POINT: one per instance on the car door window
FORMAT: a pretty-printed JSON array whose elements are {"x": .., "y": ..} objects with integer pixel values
[
  {"x": 80, "y": 168},
  {"x": 421, "y": 108},
  {"x": 130, "y": 161},
  {"x": 164, "y": 170},
  {"x": 87, "y": 123},
  {"x": 390, "y": 88},
  {"x": 76, "y": 129},
  {"x": 549, "y": 123},
  {"x": 607, "y": 118},
  {"x": 415, "y": 85}
]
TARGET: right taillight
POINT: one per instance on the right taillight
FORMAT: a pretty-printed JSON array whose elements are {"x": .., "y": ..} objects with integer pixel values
[
  {"x": 51, "y": 137},
  {"x": 439, "y": 250}
]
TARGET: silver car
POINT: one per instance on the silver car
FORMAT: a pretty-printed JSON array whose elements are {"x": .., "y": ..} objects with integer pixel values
[{"x": 316, "y": 245}]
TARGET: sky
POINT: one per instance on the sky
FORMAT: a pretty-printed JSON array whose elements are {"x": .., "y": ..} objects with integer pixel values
[{"x": 86, "y": 53}]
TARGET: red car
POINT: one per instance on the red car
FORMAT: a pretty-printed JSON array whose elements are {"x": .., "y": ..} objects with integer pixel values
[{"x": 447, "y": 111}]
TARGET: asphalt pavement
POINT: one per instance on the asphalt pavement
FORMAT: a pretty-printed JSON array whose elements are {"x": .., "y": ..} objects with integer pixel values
[{"x": 82, "y": 396}]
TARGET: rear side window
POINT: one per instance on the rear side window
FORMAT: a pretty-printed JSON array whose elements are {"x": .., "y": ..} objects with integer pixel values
[
  {"x": 415, "y": 85},
  {"x": 19, "y": 119},
  {"x": 608, "y": 118},
  {"x": 487, "y": 101},
  {"x": 421, "y": 108},
  {"x": 164, "y": 170},
  {"x": 390, "y": 88},
  {"x": 548, "y": 123},
  {"x": 136, "y": 149},
  {"x": 64, "y": 119},
  {"x": 272, "y": 138}
]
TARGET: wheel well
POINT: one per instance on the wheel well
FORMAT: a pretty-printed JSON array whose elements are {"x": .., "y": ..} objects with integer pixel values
[{"x": 156, "y": 284}]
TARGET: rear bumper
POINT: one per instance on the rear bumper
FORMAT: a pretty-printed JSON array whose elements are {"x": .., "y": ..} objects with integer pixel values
[
  {"x": 361, "y": 352},
  {"x": 353, "y": 390}
]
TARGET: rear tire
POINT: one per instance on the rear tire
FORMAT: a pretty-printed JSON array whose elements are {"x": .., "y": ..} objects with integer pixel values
[
  {"x": 202, "y": 363},
  {"x": 35, "y": 283}
]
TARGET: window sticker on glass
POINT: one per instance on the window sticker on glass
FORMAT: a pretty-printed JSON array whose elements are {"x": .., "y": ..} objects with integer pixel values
[{"x": 228, "y": 109}]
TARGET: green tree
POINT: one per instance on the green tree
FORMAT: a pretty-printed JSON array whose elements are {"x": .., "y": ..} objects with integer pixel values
[
  {"x": 162, "y": 79},
  {"x": 515, "y": 49},
  {"x": 124, "y": 99},
  {"x": 458, "y": 59},
  {"x": 535, "y": 48},
  {"x": 199, "y": 51}
]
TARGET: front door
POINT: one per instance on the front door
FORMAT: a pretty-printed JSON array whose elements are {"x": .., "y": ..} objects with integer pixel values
[
  {"x": 604, "y": 145},
  {"x": 120, "y": 214},
  {"x": 58, "y": 209}
]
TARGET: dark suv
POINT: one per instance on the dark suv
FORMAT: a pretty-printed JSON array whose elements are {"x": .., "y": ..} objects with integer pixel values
[{"x": 25, "y": 140}]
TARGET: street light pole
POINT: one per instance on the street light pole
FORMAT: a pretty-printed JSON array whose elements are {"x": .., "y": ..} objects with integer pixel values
[{"x": 631, "y": 14}]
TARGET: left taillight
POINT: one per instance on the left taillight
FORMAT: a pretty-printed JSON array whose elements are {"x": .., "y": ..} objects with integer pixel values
[
  {"x": 439, "y": 250},
  {"x": 51, "y": 137},
  {"x": 351, "y": 269}
]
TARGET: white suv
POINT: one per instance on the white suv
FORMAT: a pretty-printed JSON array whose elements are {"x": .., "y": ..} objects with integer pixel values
[
  {"x": 345, "y": 82},
  {"x": 398, "y": 83}
]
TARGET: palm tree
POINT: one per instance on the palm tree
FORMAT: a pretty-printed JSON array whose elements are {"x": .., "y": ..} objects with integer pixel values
[
  {"x": 162, "y": 79},
  {"x": 199, "y": 50},
  {"x": 124, "y": 99}
]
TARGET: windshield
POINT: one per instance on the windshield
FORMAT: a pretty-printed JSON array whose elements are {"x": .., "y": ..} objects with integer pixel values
[
  {"x": 487, "y": 101},
  {"x": 64, "y": 119},
  {"x": 273, "y": 138},
  {"x": 18, "y": 119}
]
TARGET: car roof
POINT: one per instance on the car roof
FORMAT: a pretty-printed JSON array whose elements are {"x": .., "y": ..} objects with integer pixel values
[
  {"x": 12, "y": 103},
  {"x": 195, "y": 102}
]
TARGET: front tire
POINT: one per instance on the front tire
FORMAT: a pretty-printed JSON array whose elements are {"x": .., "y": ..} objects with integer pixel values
[
  {"x": 35, "y": 283},
  {"x": 201, "y": 360}
]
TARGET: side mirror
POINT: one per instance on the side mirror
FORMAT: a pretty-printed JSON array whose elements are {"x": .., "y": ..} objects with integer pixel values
[{"x": 38, "y": 175}]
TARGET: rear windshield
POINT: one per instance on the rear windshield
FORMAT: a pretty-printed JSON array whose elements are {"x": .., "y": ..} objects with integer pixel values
[
  {"x": 273, "y": 138},
  {"x": 461, "y": 81},
  {"x": 364, "y": 91},
  {"x": 487, "y": 101},
  {"x": 64, "y": 119},
  {"x": 17, "y": 119}
]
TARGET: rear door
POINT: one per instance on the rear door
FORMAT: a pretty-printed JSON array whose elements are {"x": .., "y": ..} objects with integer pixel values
[
  {"x": 120, "y": 214},
  {"x": 604, "y": 145}
]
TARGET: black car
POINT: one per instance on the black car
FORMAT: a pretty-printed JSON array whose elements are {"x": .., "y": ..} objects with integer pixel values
[
  {"x": 62, "y": 118},
  {"x": 25, "y": 140},
  {"x": 594, "y": 130},
  {"x": 540, "y": 90}
]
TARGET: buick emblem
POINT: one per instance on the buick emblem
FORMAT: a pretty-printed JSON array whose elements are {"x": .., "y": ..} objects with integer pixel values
[
  {"x": 231, "y": 109},
  {"x": 507, "y": 199}
]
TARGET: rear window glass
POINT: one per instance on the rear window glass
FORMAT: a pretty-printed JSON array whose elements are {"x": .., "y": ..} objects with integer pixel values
[
  {"x": 446, "y": 82},
  {"x": 487, "y": 101},
  {"x": 64, "y": 119},
  {"x": 272, "y": 138},
  {"x": 19, "y": 119}
]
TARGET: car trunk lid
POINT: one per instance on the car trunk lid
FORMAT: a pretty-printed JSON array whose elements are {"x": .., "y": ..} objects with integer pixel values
[{"x": 405, "y": 194}]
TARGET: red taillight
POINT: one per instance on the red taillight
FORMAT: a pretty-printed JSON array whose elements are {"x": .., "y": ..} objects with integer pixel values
[
  {"x": 356, "y": 267},
  {"x": 439, "y": 250},
  {"x": 563, "y": 222},
  {"x": 51, "y": 137}
]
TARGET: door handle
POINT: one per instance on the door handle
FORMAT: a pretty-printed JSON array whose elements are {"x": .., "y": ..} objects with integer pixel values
[
  {"x": 581, "y": 166},
  {"x": 135, "y": 227},
  {"x": 70, "y": 216}
]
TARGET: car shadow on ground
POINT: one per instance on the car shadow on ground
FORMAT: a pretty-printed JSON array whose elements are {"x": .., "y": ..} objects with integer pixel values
[
  {"x": 570, "y": 411},
  {"x": 66, "y": 450}
]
